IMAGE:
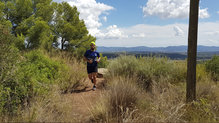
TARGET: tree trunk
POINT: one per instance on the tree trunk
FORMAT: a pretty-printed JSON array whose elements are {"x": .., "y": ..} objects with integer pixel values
[{"x": 192, "y": 51}]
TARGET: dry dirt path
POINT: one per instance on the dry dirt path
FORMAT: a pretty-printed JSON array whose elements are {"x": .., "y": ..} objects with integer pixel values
[{"x": 84, "y": 100}]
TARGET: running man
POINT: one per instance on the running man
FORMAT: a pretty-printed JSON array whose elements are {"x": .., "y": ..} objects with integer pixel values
[{"x": 93, "y": 58}]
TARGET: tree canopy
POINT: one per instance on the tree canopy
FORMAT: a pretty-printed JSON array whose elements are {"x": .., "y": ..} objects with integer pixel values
[{"x": 45, "y": 24}]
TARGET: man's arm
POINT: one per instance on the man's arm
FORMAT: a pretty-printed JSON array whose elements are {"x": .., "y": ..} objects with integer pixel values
[
  {"x": 87, "y": 60},
  {"x": 98, "y": 60}
]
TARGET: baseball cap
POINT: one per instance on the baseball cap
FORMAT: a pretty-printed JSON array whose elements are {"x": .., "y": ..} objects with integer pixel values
[{"x": 93, "y": 43}]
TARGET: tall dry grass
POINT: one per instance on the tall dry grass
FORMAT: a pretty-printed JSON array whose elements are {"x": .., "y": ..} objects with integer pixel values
[
  {"x": 165, "y": 102},
  {"x": 118, "y": 104},
  {"x": 53, "y": 108},
  {"x": 73, "y": 74}
]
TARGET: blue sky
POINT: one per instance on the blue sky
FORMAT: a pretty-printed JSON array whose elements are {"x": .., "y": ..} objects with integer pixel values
[
  {"x": 151, "y": 23},
  {"x": 126, "y": 13},
  {"x": 129, "y": 12}
]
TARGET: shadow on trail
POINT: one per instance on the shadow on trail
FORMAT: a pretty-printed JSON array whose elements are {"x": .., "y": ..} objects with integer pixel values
[
  {"x": 101, "y": 84},
  {"x": 82, "y": 90}
]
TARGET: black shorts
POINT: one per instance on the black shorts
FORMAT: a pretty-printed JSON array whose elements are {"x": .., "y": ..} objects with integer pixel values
[{"x": 91, "y": 69}]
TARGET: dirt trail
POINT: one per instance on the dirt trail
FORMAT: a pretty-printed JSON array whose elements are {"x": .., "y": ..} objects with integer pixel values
[{"x": 84, "y": 100}]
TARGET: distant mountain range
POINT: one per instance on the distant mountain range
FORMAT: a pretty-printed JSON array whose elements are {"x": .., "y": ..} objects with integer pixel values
[{"x": 170, "y": 49}]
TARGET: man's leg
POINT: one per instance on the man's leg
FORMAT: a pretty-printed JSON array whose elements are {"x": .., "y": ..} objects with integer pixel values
[
  {"x": 94, "y": 80},
  {"x": 94, "y": 75},
  {"x": 89, "y": 72},
  {"x": 90, "y": 76}
]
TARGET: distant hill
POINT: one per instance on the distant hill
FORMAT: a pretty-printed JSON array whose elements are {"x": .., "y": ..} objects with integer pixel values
[{"x": 170, "y": 49}]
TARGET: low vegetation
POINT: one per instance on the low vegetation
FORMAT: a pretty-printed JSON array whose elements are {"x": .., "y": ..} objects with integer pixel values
[
  {"x": 153, "y": 90},
  {"x": 148, "y": 70},
  {"x": 212, "y": 66},
  {"x": 41, "y": 62},
  {"x": 34, "y": 78}
]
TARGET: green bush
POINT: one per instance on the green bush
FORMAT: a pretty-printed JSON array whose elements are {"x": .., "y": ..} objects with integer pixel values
[
  {"x": 123, "y": 66},
  {"x": 212, "y": 66},
  {"x": 147, "y": 69},
  {"x": 37, "y": 73},
  {"x": 33, "y": 75},
  {"x": 151, "y": 69},
  {"x": 103, "y": 62},
  {"x": 9, "y": 85}
]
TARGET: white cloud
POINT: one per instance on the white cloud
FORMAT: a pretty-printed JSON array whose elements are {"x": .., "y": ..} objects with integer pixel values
[
  {"x": 218, "y": 12},
  {"x": 171, "y": 9},
  {"x": 112, "y": 32},
  {"x": 147, "y": 35},
  {"x": 209, "y": 33},
  {"x": 212, "y": 41},
  {"x": 212, "y": 33},
  {"x": 105, "y": 19},
  {"x": 139, "y": 35},
  {"x": 161, "y": 36},
  {"x": 203, "y": 13},
  {"x": 90, "y": 11},
  {"x": 178, "y": 31}
]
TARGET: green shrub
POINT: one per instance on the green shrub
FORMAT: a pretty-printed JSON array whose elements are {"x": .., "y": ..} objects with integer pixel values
[
  {"x": 9, "y": 85},
  {"x": 123, "y": 66},
  {"x": 147, "y": 69},
  {"x": 41, "y": 72},
  {"x": 103, "y": 62},
  {"x": 151, "y": 69},
  {"x": 33, "y": 75},
  {"x": 212, "y": 66},
  {"x": 37, "y": 73}
]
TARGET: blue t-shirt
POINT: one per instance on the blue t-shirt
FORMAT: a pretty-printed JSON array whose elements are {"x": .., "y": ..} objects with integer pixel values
[{"x": 92, "y": 55}]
